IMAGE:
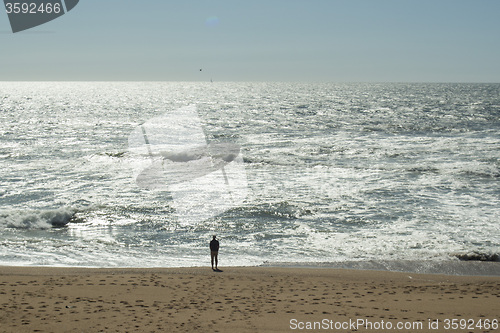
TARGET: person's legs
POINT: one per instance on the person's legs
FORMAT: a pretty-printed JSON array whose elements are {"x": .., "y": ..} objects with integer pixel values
[
  {"x": 216, "y": 259},
  {"x": 212, "y": 255}
]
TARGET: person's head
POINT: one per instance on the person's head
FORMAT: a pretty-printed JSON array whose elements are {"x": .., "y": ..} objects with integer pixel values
[{"x": 214, "y": 237}]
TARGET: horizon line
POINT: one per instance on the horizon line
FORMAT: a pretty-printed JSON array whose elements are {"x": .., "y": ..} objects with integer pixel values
[{"x": 266, "y": 81}]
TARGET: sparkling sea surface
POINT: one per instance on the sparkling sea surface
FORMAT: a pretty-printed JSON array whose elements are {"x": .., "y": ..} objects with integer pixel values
[{"x": 333, "y": 173}]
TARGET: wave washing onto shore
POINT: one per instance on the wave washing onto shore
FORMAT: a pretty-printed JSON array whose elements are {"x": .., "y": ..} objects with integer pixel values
[
  {"x": 333, "y": 173},
  {"x": 478, "y": 268}
]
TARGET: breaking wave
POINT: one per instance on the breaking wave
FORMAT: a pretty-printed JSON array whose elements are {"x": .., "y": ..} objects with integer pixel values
[
  {"x": 478, "y": 256},
  {"x": 42, "y": 219}
]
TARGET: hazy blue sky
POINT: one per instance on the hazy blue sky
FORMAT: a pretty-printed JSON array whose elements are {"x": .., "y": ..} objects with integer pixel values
[{"x": 260, "y": 40}]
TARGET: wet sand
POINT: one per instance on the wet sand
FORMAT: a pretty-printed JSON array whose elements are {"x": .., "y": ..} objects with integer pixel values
[{"x": 249, "y": 299}]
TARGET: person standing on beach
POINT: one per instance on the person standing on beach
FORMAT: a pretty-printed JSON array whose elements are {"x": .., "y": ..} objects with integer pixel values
[{"x": 214, "y": 252}]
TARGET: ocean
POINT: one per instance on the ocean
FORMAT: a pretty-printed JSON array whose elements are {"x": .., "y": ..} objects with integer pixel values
[{"x": 327, "y": 173}]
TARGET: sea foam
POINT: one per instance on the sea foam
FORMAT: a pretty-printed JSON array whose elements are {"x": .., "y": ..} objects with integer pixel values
[{"x": 42, "y": 219}]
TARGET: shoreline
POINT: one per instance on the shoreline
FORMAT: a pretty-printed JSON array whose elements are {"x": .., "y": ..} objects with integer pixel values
[
  {"x": 436, "y": 267},
  {"x": 242, "y": 299},
  {"x": 445, "y": 267}
]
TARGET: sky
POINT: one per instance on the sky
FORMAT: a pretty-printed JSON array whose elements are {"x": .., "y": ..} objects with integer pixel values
[{"x": 260, "y": 40}]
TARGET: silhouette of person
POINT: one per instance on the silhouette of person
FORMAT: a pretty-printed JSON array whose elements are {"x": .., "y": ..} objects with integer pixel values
[{"x": 214, "y": 252}]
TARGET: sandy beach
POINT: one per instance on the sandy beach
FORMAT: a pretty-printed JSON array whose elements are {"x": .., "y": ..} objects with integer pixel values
[{"x": 249, "y": 299}]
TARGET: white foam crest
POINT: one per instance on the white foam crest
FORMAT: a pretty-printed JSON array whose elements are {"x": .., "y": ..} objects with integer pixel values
[{"x": 42, "y": 219}]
